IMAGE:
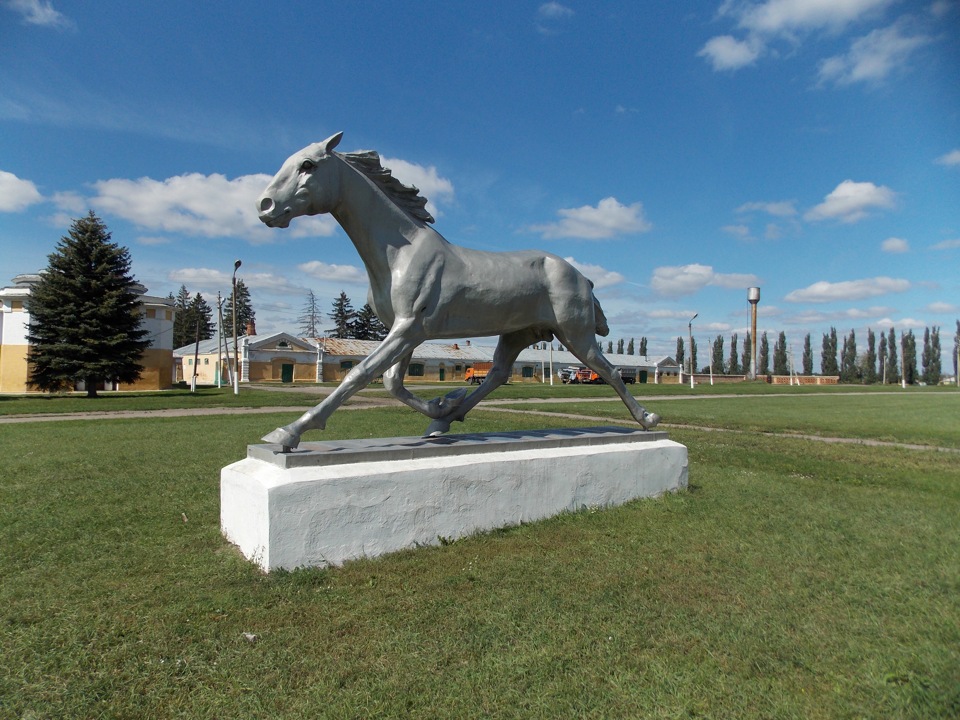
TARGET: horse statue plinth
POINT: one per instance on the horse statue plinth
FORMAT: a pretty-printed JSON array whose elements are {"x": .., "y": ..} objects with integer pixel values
[{"x": 423, "y": 287}]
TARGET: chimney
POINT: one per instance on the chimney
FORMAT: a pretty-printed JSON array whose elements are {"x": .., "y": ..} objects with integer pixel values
[{"x": 251, "y": 328}]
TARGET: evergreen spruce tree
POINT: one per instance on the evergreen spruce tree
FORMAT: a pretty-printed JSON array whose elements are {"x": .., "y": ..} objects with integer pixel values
[
  {"x": 182, "y": 329},
  {"x": 343, "y": 316},
  {"x": 643, "y": 343},
  {"x": 763, "y": 356},
  {"x": 780, "y": 365},
  {"x": 828, "y": 354},
  {"x": 807, "y": 356},
  {"x": 717, "y": 360},
  {"x": 245, "y": 312},
  {"x": 367, "y": 325},
  {"x": 85, "y": 321},
  {"x": 893, "y": 370},
  {"x": 201, "y": 317},
  {"x": 630, "y": 347},
  {"x": 310, "y": 320}
]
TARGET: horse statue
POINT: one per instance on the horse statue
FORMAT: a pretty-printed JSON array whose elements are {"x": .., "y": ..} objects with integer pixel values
[{"x": 423, "y": 287}]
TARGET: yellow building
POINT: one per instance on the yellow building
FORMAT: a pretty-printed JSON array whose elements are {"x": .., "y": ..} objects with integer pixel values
[{"x": 157, "y": 359}]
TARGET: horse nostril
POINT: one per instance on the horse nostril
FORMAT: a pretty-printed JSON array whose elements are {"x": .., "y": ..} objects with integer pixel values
[{"x": 266, "y": 205}]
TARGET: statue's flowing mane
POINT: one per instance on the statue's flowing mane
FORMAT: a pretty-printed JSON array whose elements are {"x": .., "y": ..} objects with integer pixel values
[{"x": 406, "y": 197}]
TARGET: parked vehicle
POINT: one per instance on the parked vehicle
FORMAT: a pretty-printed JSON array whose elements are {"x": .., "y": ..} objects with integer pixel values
[
  {"x": 586, "y": 376},
  {"x": 629, "y": 375},
  {"x": 566, "y": 374},
  {"x": 478, "y": 372}
]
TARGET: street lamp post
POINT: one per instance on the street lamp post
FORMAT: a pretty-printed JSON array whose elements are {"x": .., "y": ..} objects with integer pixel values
[
  {"x": 690, "y": 337},
  {"x": 233, "y": 307},
  {"x": 753, "y": 297}
]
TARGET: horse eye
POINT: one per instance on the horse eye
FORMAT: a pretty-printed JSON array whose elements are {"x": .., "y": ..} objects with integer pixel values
[{"x": 307, "y": 165}]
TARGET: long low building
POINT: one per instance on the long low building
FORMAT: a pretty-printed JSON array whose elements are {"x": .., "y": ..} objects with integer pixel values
[{"x": 282, "y": 357}]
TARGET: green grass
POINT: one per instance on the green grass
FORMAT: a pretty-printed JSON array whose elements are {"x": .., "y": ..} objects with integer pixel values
[
  {"x": 164, "y": 400},
  {"x": 794, "y": 580},
  {"x": 921, "y": 418}
]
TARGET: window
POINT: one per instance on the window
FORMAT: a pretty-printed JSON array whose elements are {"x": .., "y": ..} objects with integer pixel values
[
  {"x": 416, "y": 370},
  {"x": 346, "y": 364},
  {"x": 151, "y": 313},
  {"x": 190, "y": 361},
  {"x": 206, "y": 361},
  {"x": 283, "y": 345},
  {"x": 526, "y": 371}
]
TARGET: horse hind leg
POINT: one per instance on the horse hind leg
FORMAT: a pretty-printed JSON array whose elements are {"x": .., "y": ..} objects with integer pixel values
[
  {"x": 586, "y": 349},
  {"x": 508, "y": 349},
  {"x": 438, "y": 407}
]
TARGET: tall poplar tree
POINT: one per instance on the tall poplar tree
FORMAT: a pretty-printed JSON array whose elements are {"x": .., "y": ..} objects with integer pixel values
[
  {"x": 893, "y": 371},
  {"x": 733, "y": 366},
  {"x": 85, "y": 313},
  {"x": 763, "y": 356},
  {"x": 869, "y": 367},
  {"x": 807, "y": 356},
  {"x": 643, "y": 343},
  {"x": 716, "y": 361},
  {"x": 780, "y": 365},
  {"x": 828, "y": 354}
]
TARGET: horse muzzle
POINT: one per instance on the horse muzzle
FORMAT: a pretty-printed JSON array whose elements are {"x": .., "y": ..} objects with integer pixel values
[{"x": 271, "y": 217}]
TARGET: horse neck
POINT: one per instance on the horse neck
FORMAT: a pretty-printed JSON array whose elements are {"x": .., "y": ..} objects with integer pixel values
[{"x": 377, "y": 227}]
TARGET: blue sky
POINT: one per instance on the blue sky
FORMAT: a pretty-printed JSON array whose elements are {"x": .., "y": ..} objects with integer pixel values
[{"x": 678, "y": 152}]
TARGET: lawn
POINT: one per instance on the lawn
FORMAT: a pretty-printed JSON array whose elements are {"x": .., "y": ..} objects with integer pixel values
[{"x": 794, "y": 580}]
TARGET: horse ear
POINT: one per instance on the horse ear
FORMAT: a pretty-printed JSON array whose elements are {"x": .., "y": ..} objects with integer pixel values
[{"x": 331, "y": 142}]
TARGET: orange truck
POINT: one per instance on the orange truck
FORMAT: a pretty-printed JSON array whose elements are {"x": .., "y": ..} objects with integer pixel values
[{"x": 478, "y": 373}]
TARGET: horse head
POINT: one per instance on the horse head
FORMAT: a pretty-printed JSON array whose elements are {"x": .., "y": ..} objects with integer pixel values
[{"x": 306, "y": 184}]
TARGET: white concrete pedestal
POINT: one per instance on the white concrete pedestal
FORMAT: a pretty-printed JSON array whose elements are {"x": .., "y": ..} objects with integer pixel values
[{"x": 329, "y": 502}]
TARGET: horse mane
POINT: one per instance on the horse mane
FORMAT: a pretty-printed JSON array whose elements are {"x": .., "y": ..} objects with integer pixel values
[{"x": 406, "y": 197}]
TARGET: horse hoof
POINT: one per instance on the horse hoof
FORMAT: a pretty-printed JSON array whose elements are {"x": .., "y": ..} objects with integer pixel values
[
  {"x": 650, "y": 420},
  {"x": 437, "y": 428},
  {"x": 283, "y": 437}
]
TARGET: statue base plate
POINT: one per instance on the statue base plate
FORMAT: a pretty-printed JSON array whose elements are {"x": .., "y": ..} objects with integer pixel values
[{"x": 333, "y": 501}]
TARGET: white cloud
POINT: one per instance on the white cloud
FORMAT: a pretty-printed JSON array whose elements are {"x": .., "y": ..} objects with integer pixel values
[
  {"x": 70, "y": 202},
  {"x": 951, "y": 159},
  {"x": 688, "y": 279},
  {"x": 873, "y": 57},
  {"x": 554, "y": 10},
  {"x": 821, "y": 292},
  {"x": 946, "y": 245},
  {"x": 153, "y": 240},
  {"x": 39, "y": 12},
  {"x": 17, "y": 194},
  {"x": 738, "y": 231},
  {"x": 895, "y": 245},
  {"x": 431, "y": 185},
  {"x": 776, "y": 17},
  {"x": 782, "y": 208},
  {"x": 608, "y": 219},
  {"x": 208, "y": 281},
  {"x": 199, "y": 205},
  {"x": 600, "y": 276},
  {"x": 336, "y": 273},
  {"x": 942, "y": 308},
  {"x": 851, "y": 201},
  {"x": 773, "y": 232},
  {"x": 725, "y": 52}
]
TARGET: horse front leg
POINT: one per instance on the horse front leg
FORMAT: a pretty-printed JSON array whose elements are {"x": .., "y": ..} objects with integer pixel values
[{"x": 402, "y": 339}]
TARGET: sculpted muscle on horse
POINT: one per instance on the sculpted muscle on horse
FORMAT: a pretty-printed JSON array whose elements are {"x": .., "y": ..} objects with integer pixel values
[{"x": 423, "y": 287}]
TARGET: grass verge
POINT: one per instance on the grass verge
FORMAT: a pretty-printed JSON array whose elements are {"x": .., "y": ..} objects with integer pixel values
[{"x": 794, "y": 580}]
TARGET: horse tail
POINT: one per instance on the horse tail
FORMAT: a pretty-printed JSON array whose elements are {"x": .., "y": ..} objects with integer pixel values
[{"x": 602, "y": 328}]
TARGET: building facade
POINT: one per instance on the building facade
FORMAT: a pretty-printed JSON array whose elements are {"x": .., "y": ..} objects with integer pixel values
[{"x": 157, "y": 359}]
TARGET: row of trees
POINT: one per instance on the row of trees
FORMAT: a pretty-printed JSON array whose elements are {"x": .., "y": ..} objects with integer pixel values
[
  {"x": 628, "y": 350},
  {"x": 194, "y": 319},
  {"x": 880, "y": 362},
  {"x": 347, "y": 322}
]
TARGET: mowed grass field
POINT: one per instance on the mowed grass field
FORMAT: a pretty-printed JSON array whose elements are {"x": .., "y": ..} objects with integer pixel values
[{"x": 795, "y": 579}]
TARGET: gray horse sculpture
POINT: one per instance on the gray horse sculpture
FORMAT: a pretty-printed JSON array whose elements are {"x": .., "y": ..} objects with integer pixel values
[{"x": 423, "y": 287}]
